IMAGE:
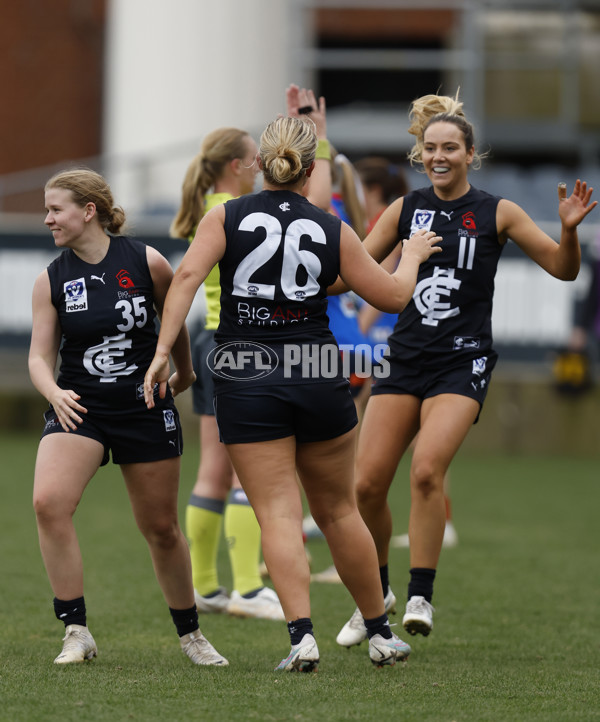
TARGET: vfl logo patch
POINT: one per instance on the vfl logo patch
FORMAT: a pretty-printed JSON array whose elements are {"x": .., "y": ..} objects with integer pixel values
[
  {"x": 75, "y": 295},
  {"x": 479, "y": 366},
  {"x": 421, "y": 220},
  {"x": 169, "y": 418}
]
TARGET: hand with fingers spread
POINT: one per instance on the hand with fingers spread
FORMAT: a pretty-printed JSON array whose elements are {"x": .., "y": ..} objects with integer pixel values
[
  {"x": 68, "y": 410},
  {"x": 573, "y": 209},
  {"x": 302, "y": 101}
]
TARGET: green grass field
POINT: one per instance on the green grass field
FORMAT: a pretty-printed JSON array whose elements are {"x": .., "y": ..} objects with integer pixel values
[{"x": 517, "y": 624}]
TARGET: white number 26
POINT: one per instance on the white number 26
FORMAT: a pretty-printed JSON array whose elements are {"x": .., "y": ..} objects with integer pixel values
[{"x": 293, "y": 258}]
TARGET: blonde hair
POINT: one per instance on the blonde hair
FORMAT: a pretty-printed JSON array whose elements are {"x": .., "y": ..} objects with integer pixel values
[
  {"x": 287, "y": 149},
  {"x": 431, "y": 109},
  {"x": 218, "y": 148},
  {"x": 344, "y": 175},
  {"x": 87, "y": 186}
]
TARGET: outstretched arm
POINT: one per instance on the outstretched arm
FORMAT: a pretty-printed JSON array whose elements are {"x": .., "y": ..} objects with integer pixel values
[
  {"x": 388, "y": 292},
  {"x": 561, "y": 260},
  {"x": 380, "y": 242}
]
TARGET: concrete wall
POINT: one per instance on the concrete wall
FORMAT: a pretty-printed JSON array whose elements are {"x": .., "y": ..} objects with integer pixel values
[{"x": 177, "y": 70}]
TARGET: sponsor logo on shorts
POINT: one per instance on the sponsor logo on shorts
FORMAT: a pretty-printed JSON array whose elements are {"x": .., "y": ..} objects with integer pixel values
[
  {"x": 139, "y": 391},
  {"x": 249, "y": 361},
  {"x": 169, "y": 418},
  {"x": 461, "y": 342},
  {"x": 50, "y": 423}
]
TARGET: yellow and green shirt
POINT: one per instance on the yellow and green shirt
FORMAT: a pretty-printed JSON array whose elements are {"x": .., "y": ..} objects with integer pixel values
[{"x": 212, "y": 284}]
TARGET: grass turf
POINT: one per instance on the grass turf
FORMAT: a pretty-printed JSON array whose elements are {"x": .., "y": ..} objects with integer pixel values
[{"x": 516, "y": 637}]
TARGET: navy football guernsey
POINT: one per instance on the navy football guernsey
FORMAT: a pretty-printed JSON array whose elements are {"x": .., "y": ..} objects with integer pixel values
[
  {"x": 451, "y": 309},
  {"x": 282, "y": 253},
  {"x": 107, "y": 319}
]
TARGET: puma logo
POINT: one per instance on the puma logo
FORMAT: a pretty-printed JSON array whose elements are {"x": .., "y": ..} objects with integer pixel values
[
  {"x": 448, "y": 215},
  {"x": 97, "y": 278}
]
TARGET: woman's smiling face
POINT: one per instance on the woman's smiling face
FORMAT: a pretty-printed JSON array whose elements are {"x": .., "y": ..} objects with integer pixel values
[
  {"x": 446, "y": 159},
  {"x": 64, "y": 217}
]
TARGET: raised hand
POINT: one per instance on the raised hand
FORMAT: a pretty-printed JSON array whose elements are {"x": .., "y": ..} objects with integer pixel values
[
  {"x": 573, "y": 209},
  {"x": 292, "y": 102},
  {"x": 303, "y": 99}
]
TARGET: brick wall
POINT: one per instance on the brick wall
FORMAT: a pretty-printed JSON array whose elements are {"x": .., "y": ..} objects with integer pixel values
[{"x": 51, "y": 55}]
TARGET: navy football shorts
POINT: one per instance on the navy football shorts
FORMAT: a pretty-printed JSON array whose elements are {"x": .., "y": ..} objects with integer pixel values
[
  {"x": 310, "y": 412},
  {"x": 467, "y": 378},
  {"x": 203, "y": 388},
  {"x": 356, "y": 381},
  {"x": 133, "y": 436}
]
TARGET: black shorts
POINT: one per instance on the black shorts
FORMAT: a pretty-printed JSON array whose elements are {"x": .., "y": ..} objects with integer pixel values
[
  {"x": 467, "y": 378},
  {"x": 356, "y": 380},
  {"x": 133, "y": 436},
  {"x": 203, "y": 388},
  {"x": 310, "y": 412}
]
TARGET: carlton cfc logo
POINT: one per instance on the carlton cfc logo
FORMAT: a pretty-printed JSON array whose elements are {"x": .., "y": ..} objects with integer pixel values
[
  {"x": 468, "y": 220},
  {"x": 124, "y": 280}
]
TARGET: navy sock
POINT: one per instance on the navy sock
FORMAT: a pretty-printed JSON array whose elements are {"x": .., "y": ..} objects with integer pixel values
[
  {"x": 298, "y": 628},
  {"x": 385, "y": 579},
  {"x": 71, "y": 611},
  {"x": 421, "y": 583},
  {"x": 185, "y": 620},
  {"x": 378, "y": 625}
]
